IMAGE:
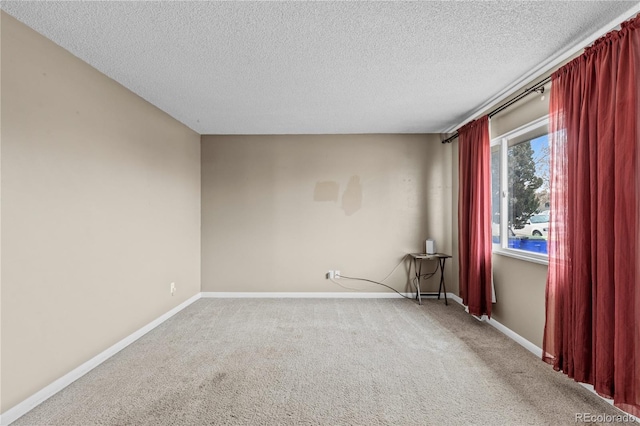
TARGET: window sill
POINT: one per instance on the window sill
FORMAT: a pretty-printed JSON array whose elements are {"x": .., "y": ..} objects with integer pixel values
[{"x": 522, "y": 255}]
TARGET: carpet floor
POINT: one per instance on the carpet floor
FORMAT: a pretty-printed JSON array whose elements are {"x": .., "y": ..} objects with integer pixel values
[{"x": 320, "y": 362}]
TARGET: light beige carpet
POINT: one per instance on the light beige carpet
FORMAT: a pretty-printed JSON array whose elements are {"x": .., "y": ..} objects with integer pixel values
[{"x": 320, "y": 362}]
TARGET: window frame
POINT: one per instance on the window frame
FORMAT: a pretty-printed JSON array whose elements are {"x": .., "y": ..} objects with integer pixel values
[{"x": 502, "y": 248}]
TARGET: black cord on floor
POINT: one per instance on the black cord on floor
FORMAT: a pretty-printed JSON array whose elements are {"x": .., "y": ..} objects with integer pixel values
[
  {"x": 376, "y": 282},
  {"x": 425, "y": 276}
]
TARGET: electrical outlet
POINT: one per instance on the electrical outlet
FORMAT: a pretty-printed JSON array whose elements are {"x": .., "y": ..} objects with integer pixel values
[
  {"x": 332, "y": 275},
  {"x": 173, "y": 288}
]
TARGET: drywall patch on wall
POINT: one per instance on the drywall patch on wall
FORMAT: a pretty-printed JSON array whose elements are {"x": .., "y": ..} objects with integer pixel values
[
  {"x": 352, "y": 197},
  {"x": 326, "y": 191}
]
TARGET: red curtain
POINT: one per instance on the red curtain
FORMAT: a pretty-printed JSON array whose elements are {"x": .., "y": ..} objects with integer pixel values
[
  {"x": 592, "y": 330},
  {"x": 474, "y": 216}
]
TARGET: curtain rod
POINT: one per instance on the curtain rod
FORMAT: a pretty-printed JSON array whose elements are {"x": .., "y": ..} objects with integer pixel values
[{"x": 539, "y": 87}]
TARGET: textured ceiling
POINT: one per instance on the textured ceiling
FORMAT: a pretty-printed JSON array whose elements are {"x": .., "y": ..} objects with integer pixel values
[{"x": 317, "y": 67}]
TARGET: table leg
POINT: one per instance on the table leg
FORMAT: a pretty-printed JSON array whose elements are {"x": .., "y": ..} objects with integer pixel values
[
  {"x": 418, "y": 270},
  {"x": 442, "y": 287}
]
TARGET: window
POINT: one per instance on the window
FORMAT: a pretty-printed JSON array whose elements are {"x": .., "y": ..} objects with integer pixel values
[{"x": 520, "y": 191}]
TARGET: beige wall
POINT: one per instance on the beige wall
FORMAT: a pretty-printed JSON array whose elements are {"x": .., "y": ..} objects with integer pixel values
[
  {"x": 519, "y": 284},
  {"x": 278, "y": 212},
  {"x": 520, "y": 114},
  {"x": 520, "y": 288},
  {"x": 100, "y": 212}
]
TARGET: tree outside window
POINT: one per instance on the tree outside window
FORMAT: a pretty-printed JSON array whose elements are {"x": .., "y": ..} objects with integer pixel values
[{"x": 523, "y": 183}]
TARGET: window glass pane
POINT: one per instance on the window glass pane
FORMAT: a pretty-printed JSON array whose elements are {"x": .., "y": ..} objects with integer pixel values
[
  {"x": 528, "y": 201},
  {"x": 495, "y": 193}
]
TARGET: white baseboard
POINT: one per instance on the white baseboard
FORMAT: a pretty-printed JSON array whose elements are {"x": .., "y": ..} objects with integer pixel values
[
  {"x": 34, "y": 400},
  {"x": 28, "y": 404},
  {"x": 590, "y": 388},
  {"x": 505, "y": 330},
  {"x": 534, "y": 350},
  {"x": 303, "y": 295},
  {"x": 516, "y": 337},
  {"x": 454, "y": 297}
]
